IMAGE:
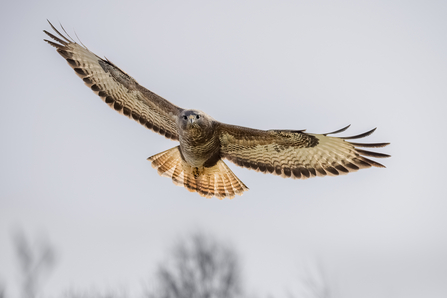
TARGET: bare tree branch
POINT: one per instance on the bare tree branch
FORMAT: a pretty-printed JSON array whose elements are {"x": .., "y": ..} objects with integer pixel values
[
  {"x": 316, "y": 282},
  {"x": 34, "y": 261},
  {"x": 200, "y": 267}
]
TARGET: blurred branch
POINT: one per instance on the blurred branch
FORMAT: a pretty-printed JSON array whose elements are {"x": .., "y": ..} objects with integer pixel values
[
  {"x": 199, "y": 267},
  {"x": 316, "y": 282},
  {"x": 94, "y": 294},
  {"x": 34, "y": 261},
  {"x": 2, "y": 291}
]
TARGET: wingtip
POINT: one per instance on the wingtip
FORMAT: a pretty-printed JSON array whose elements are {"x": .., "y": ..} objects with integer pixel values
[
  {"x": 362, "y": 135},
  {"x": 337, "y": 131},
  {"x": 66, "y": 31},
  {"x": 61, "y": 35},
  {"x": 370, "y": 145}
]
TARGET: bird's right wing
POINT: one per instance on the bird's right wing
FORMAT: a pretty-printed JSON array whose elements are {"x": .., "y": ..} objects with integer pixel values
[
  {"x": 294, "y": 153},
  {"x": 119, "y": 90}
]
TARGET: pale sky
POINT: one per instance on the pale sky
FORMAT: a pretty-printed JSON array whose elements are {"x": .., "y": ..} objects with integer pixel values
[{"x": 76, "y": 171}]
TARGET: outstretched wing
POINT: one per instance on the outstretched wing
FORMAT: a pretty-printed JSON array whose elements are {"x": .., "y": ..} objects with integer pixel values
[
  {"x": 295, "y": 154},
  {"x": 119, "y": 90}
]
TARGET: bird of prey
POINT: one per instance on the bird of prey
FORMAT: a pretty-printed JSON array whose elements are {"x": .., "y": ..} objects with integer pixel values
[{"x": 197, "y": 163}]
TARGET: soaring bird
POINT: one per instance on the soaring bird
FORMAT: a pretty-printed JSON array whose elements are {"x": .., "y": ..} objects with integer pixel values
[{"x": 197, "y": 162}]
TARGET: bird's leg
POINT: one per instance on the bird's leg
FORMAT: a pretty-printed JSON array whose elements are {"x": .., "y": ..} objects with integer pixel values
[{"x": 197, "y": 172}]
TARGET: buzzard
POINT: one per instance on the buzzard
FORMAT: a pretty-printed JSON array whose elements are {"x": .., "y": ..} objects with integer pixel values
[{"x": 197, "y": 163}]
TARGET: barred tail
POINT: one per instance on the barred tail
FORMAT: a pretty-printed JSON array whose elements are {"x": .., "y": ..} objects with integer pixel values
[{"x": 218, "y": 180}]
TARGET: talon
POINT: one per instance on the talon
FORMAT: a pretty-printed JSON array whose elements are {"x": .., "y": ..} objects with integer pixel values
[{"x": 196, "y": 172}]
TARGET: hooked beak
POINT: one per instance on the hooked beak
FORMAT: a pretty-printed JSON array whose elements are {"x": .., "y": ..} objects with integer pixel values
[{"x": 191, "y": 119}]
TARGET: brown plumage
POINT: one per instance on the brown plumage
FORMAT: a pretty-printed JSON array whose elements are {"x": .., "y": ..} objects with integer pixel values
[{"x": 196, "y": 163}]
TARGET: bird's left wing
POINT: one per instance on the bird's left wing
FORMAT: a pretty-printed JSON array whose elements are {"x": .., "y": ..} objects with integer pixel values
[
  {"x": 119, "y": 90},
  {"x": 295, "y": 154}
]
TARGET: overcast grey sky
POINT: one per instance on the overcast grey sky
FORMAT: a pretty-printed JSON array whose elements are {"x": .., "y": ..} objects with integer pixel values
[{"x": 75, "y": 170}]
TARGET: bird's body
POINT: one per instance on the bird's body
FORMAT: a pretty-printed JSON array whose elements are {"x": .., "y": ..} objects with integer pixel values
[
  {"x": 197, "y": 163},
  {"x": 198, "y": 143}
]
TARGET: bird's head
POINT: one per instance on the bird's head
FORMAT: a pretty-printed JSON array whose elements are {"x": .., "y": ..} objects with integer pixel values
[{"x": 193, "y": 119}]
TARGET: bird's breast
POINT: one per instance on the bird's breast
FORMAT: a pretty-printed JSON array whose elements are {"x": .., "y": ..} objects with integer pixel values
[{"x": 197, "y": 151}]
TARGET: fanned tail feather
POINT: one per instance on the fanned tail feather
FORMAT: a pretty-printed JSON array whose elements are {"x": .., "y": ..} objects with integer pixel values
[{"x": 216, "y": 181}]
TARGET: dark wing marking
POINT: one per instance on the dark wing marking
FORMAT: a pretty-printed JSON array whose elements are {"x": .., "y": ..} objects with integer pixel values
[
  {"x": 295, "y": 154},
  {"x": 119, "y": 90}
]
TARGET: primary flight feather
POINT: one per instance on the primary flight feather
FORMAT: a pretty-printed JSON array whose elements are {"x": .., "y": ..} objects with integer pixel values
[{"x": 196, "y": 163}]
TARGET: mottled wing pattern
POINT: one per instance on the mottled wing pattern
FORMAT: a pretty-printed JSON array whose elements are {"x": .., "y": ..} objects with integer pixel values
[
  {"x": 295, "y": 154},
  {"x": 119, "y": 90}
]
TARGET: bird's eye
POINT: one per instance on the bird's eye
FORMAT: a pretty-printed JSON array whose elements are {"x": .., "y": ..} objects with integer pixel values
[
  {"x": 184, "y": 117},
  {"x": 198, "y": 116}
]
